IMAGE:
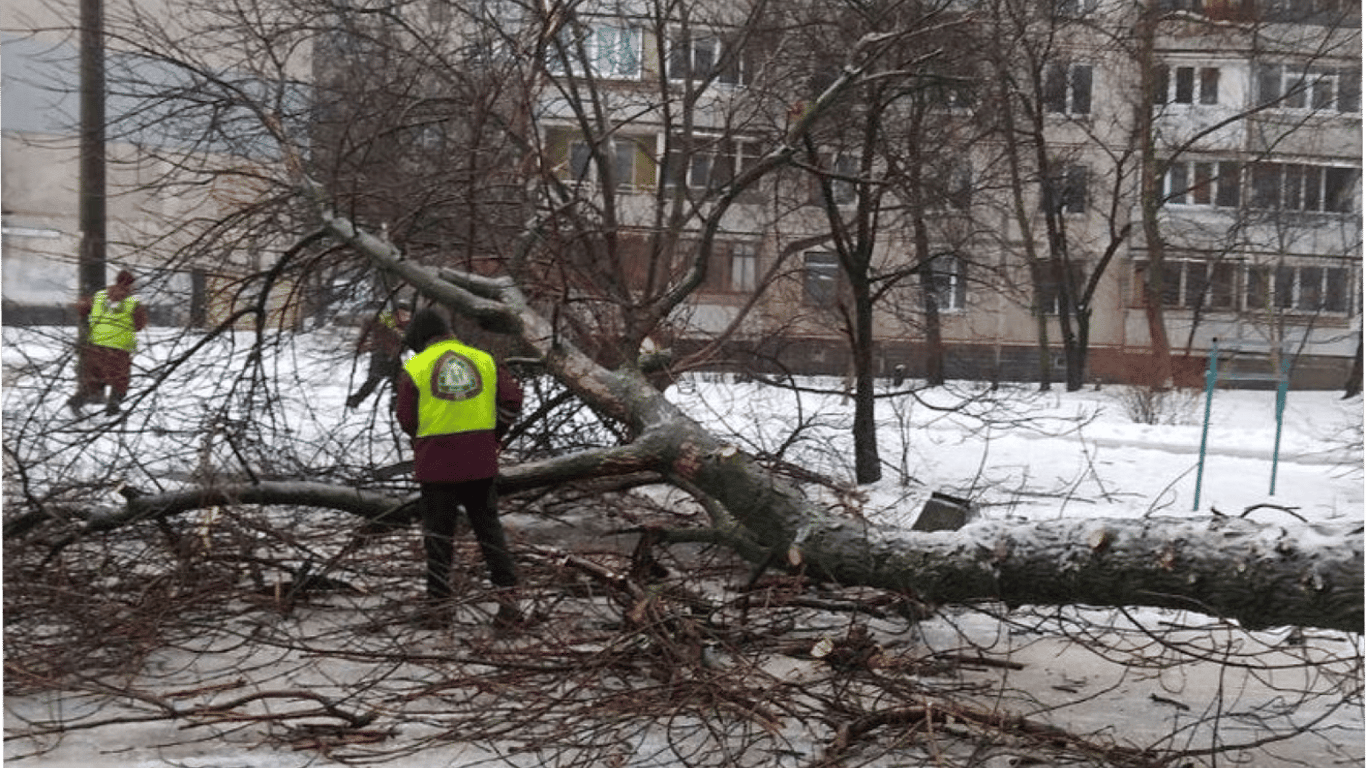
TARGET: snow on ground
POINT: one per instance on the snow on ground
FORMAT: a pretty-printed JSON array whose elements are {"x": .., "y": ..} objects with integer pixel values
[{"x": 1014, "y": 453}]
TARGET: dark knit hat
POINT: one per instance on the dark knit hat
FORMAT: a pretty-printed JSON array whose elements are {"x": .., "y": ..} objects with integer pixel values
[
  {"x": 425, "y": 325},
  {"x": 124, "y": 278}
]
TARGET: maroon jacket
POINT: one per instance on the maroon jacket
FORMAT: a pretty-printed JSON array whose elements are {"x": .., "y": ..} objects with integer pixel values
[{"x": 460, "y": 457}]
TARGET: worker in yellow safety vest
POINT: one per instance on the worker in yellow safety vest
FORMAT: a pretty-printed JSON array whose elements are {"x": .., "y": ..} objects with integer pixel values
[
  {"x": 111, "y": 320},
  {"x": 457, "y": 403}
]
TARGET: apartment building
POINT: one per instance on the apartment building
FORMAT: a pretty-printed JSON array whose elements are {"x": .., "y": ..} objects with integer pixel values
[{"x": 1256, "y": 192}]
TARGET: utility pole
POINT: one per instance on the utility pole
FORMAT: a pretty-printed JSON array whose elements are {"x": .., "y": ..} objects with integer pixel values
[{"x": 91, "y": 264}]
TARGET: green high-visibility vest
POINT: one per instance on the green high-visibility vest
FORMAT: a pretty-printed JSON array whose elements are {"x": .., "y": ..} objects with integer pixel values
[
  {"x": 113, "y": 326},
  {"x": 457, "y": 389}
]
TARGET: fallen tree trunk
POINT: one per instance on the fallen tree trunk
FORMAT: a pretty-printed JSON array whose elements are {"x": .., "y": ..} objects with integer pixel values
[{"x": 1259, "y": 575}]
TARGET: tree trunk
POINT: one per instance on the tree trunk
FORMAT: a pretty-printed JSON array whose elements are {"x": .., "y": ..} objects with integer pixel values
[
  {"x": 1161, "y": 373},
  {"x": 867, "y": 463}
]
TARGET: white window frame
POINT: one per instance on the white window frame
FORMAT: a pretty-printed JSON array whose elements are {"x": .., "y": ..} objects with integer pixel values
[
  {"x": 700, "y": 46},
  {"x": 1283, "y": 287},
  {"x": 702, "y": 172},
  {"x": 583, "y": 171},
  {"x": 1205, "y": 183},
  {"x": 613, "y": 50},
  {"x": 950, "y": 284},
  {"x": 1071, "y": 185},
  {"x": 1289, "y": 88},
  {"x": 744, "y": 267},
  {"x": 1077, "y": 80}
]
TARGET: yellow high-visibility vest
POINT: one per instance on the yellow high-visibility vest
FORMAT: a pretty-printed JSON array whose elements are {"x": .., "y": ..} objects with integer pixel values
[
  {"x": 457, "y": 389},
  {"x": 113, "y": 326}
]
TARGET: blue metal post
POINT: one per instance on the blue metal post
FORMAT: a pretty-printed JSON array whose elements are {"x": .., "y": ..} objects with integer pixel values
[{"x": 1211, "y": 376}]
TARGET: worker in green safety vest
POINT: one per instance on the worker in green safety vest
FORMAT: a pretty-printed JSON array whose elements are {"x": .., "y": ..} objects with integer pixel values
[
  {"x": 111, "y": 320},
  {"x": 457, "y": 403}
]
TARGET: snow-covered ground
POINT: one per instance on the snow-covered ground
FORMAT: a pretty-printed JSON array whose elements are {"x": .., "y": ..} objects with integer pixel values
[{"x": 1015, "y": 453}]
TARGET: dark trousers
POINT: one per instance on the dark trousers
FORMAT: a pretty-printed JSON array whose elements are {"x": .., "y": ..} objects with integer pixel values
[
  {"x": 101, "y": 366},
  {"x": 440, "y": 504}
]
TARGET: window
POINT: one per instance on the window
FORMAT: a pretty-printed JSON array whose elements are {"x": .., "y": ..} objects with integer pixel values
[
  {"x": 609, "y": 51},
  {"x": 841, "y": 173},
  {"x": 1050, "y": 294},
  {"x": 821, "y": 278},
  {"x": 734, "y": 267},
  {"x": 1296, "y": 187},
  {"x": 843, "y": 186},
  {"x": 744, "y": 267},
  {"x": 1202, "y": 182},
  {"x": 1213, "y": 285},
  {"x": 1067, "y": 89},
  {"x": 1323, "y": 90},
  {"x": 948, "y": 274},
  {"x": 712, "y": 164},
  {"x": 1186, "y": 85},
  {"x": 1194, "y": 283},
  {"x": 1299, "y": 288},
  {"x": 621, "y": 151},
  {"x": 1065, "y": 190},
  {"x": 1270, "y": 186},
  {"x": 950, "y": 91},
  {"x": 706, "y": 56},
  {"x": 1075, "y": 9}
]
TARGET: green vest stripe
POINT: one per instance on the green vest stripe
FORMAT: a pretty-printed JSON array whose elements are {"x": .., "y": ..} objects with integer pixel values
[
  {"x": 457, "y": 389},
  {"x": 113, "y": 326}
]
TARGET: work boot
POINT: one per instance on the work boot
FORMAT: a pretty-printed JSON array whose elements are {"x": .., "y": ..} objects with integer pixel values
[
  {"x": 509, "y": 616},
  {"x": 111, "y": 408}
]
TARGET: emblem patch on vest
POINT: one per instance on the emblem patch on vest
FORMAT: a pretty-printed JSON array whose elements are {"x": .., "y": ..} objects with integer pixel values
[{"x": 456, "y": 377}]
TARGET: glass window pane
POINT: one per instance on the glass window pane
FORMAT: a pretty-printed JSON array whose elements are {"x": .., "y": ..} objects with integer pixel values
[
  {"x": 1284, "y": 292},
  {"x": 744, "y": 268},
  {"x": 1161, "y": 83},
  {"x": 1209, "y": 85},
  {"x": 1258, "y": 287},
  {"x": 1268, "y": 83},
  {"x": 1335, "y": 289},
  {"x": 625, "y": 162},
  {"x": 1349, "y": 91},
  {"x": 1171, "y": 283},
  {"x": 704, "y": 57},
  {"x": 1292, "y": 186},
  {"x": 1311, "y": 289},
  {"x": 1229, "y": 193},
  {"x": 1220, "y": 293},
  {"x": 1313, "y": 188},
  {"x": 1177, "y": 184},
  {"x": 1185, "y": 85},
  {"x": 1081, "y": 90},
  {"x": 1196, "y": 284},
  {"x": 1266, "y": 185},
  {"x": 1321, "y": 95},
  {"x": 822, "y": 274},
  {"x": 1204, "y": 179},
  {"x": 578, "y": 161},
  {"x": 1055, "y": 88},
  {"x": 1339, "y": 185}
]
